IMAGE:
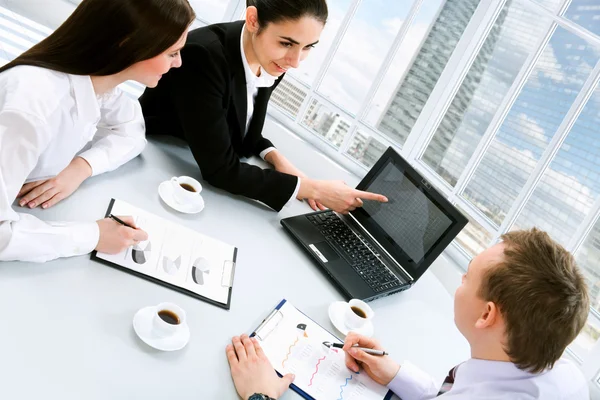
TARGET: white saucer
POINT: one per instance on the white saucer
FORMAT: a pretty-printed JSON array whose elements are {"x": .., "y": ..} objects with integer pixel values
[
  {"x": 142, "y": 325},
  {"x": 165, "y": 190},
  {"x": 336, "y": 315}
]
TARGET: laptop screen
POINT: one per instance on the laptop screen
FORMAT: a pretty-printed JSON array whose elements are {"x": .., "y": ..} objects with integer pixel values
[{"x": 417, "y": 223}]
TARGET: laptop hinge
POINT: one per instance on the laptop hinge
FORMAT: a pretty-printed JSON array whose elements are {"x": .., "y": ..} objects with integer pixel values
[{"x": 380, "y": 247}]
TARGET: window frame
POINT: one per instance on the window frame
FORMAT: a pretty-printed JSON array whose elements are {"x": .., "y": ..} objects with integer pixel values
[{"x": 434, "y": 110}]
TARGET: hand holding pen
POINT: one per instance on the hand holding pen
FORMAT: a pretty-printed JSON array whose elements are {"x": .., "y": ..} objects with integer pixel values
[
  {"x": 380, "y": 368},
  {"x": 367, "y": 350},
  {"x": 116, "y": 237}
]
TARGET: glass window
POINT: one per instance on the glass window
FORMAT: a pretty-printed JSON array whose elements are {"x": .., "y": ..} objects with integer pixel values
[
  {"x": 17, "y": 34},
  {"x": 587, "y": 258},
  {"x": 312, "y": 64},
  {"x": 571, "y": 185},
  {"x": 588, "y": 337},
  {"x": 511, "y": 40},
  {"x": 417, "y": 66},
  {"x": 588, "y": 17},
  {"x": 365, "y": 149},
  {"x": 474, "y": 238},
  {"x": 326, "y": 122},
  {"x": 210, "y": 11},
  {"x": 40, "y": 15},
  {"x": 289, "y": 96},
  {"x": 530, "y": 124},
  {"x": 361, "y": 52}
]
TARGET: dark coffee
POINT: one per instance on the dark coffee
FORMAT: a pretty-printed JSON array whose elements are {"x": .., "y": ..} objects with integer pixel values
[
  {"x": 359, "y": 312},
  {"x": 188, "y": 187},
  {"x": 169, "y": 317}
]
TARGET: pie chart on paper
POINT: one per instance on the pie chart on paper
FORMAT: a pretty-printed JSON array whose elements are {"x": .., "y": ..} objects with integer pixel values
[
  {"x": 200, "y": 268},
  {"x": 139, "y": 254},
  {"x": 171, "y": 267}
]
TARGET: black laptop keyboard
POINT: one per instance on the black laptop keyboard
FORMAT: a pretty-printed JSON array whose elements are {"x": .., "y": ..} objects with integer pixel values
[{"x": 359, "y": 254}]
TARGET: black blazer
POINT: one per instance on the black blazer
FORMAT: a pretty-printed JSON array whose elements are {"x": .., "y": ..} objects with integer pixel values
[{"x": 205, "y": 103}]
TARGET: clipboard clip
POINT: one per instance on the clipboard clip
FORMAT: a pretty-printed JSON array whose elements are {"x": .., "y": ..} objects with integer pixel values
[
  {"x": 228, "y": 273},
  {"x": 268, "y": 325}
]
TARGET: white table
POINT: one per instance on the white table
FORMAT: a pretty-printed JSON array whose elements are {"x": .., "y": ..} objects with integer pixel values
[{"x": 66, "y": 326}]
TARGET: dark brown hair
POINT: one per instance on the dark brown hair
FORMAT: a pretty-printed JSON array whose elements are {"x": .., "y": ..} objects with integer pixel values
[
  {"x": 541, "y": 295},
  {"x": 103, "y": 37},
  {"x": 273, "y": 11}
]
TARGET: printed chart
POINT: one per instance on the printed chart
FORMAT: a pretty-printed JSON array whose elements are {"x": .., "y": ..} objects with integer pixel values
[
  {"x": 176, "y": 255},
  {"x": 294, "y": 344}
]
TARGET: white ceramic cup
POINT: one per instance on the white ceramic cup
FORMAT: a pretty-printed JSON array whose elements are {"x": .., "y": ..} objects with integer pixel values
[
  {"x": 162, "y": 328},
  {"x": 353, "y": 320},
  {"x": 184, "y": 196}
]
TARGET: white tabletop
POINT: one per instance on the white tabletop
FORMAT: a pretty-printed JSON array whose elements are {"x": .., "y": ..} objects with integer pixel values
[{"x": 66, "y": 330}]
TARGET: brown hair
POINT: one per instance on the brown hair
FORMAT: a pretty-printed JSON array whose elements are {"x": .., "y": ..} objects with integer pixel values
[
  {"x": 541, "y": 295},
  {"x": 103, "y": 37}
]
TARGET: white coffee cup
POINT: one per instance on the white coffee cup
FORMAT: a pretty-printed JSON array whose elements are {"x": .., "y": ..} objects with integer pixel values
[
  {"x": 352, "y": 319},
  {"x": 169, "y": 319},
  {"x": 182, "y": 195}
]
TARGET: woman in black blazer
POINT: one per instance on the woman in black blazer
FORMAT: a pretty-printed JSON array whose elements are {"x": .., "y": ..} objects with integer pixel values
[{"x": 229, "y": 69}]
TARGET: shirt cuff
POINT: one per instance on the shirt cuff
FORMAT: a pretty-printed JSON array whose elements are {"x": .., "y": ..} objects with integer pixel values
[
  {"x": 266, "y": 151},
  {"x": 410, "y": 383},
  {"x": 294, "y": 195},
  {"x": 97, "y": 160},
  {"x": 84, "y": 238}
]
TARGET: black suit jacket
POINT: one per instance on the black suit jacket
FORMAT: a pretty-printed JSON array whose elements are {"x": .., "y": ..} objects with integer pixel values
[{"x": 205, "y": 103}]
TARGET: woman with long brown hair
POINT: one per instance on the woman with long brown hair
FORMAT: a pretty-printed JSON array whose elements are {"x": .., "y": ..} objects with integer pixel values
[{"x": 63, "y": 119}]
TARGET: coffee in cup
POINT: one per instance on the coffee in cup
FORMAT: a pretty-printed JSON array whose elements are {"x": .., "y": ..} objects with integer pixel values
[
  {"x": 169, "y": 319},
  {"x": 185, "y": 189},
  {"x": 357, "y": 314}
]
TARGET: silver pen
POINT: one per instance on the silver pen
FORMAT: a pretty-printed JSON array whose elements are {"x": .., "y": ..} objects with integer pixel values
[{"x": 373, "y": 352}]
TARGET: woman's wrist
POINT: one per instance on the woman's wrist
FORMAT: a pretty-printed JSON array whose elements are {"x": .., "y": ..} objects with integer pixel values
[
  {"x": 273, "y": 157},
  {"x": 82, "y": 168},
  {"x": 309, "y": 189}
]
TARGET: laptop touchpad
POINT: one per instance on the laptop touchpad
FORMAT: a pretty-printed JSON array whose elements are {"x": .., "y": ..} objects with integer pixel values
[{"x": 324, "y": 251}]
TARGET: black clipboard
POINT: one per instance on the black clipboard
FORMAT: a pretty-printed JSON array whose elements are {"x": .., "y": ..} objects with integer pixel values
[
  {"x": 166, "y": 284},
  {"x": 273, "y": 315}
]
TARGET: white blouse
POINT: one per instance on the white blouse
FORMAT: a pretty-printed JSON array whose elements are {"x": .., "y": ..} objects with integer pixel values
[
  {"x": 253, "y": 83},
  {"x": 46, "y": 119}
]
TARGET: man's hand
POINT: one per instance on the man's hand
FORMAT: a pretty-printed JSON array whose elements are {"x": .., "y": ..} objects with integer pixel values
[
  {"x": 382, "y": 369},
  {"x": 49, "y": 192},
  {"x": 251, "y": 370},
  {"x": 282, "y": 164},
  {"x": 114, "y": 237}
]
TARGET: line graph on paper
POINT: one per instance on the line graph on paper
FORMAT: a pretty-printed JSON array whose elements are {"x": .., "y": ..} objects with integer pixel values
[{"x": 295, "y": 346}]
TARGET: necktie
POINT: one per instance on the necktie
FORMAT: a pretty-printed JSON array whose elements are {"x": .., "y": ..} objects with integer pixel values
[{"x": 448, "y": 382}]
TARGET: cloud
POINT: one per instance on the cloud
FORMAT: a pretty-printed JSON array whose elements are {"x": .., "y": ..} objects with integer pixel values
[
  {"x": 532, "y": 128},
  {"x": 392, "y": 24}
]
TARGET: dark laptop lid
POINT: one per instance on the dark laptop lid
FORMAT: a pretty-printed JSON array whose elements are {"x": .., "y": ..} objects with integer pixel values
[{"x": 417, "y": 223}]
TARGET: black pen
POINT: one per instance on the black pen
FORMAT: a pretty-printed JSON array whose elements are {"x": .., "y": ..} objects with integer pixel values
[
  {"x": 373, "y": 352},
  {"x": 120, "y": 221}
]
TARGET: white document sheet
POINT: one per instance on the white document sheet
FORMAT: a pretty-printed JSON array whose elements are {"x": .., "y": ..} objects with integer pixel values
[
  {"x": 178, "y": 256},
  {"x": 294, "y": 344}
]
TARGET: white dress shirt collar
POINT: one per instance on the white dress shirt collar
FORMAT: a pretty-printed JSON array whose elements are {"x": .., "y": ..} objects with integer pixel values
[
  {"x": 85, "y": 97},
  {"x": 264, "y": 80}
]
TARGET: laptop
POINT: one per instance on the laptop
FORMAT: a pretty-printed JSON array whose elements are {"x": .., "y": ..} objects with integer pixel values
[{"x": 381, "y": 248}]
